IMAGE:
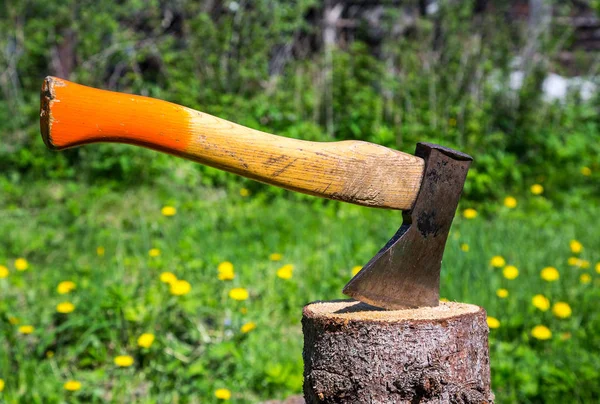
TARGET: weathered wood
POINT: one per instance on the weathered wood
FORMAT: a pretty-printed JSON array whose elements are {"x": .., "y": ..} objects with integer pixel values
[
  {"x": 352, "y": 171},
  {"x": 356, "y": 353}
]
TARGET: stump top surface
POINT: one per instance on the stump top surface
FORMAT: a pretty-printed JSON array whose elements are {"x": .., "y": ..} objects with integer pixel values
[{"x": 353, "y": 310}]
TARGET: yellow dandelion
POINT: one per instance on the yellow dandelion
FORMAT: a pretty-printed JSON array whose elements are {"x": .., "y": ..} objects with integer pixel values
[
  {"x": 561, "y": 310},
  {"x": 537, "y": 189},
  {"x": 100, "y": 251},
  {"x": 168, "y": 277},
  {"x": 469, "y": 213},
  {"x": 497, "y": 261},
  {"x": 244, "y": 310},
  {"x": 464, "y": 247},
  {"x": 21, "y": 264},
  {"x": 238, "y": 294},
  {"x": 13, "y": 320},
  {"x": 65, "y": 287},
  {"x": 154, "y": 252},
  {"x": 246, "y": 328},
  {"x": 356, "y": 269},
  {"x": 72, "y": 385},
  {"x": 510, "y": 272},
  {"x": 285, "y": 272},
  {"x": 493, "y": 322},
  {"x": 585, "y": 278},
  {"x": 575, "y": 246},
  {"x": 4, "y": 272},
  {"x": 550, "y": 274},
  {"x": 168, "y": 211},
  {"x": 502, "y": 293},
  {"x": 565, "y": 336},
  {"x": 26, "y": 329},
  {"x": 275, "y": 257},
  {"x": 585, "y": 264},
  {"x": 574, "y": 262},
  {"x": 541, "y": 302},
  {"x": 223, "y": 394},
  {"x": 180, "y": 288},
  {"x": 586, "y": 171},
  {"x": 244, "y": 192},
  {"x": 597, "y": 267},
  {"x": 1, "y": 385},
  {"x": 145, "y": 340},
  {"x": 65, "y": 307},
  {"x": 226, "y": 271},
  {"x": 123, "y": 361},
  {"x": 510, "y": 202},
  {"x": 541, "y": 332}
]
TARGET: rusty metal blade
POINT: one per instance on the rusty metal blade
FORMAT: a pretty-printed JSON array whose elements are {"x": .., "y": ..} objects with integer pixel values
[{"x": 405, "y": 273}]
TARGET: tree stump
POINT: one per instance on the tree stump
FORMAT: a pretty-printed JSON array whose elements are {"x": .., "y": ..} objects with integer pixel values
[{"x": 356, "y": 353}]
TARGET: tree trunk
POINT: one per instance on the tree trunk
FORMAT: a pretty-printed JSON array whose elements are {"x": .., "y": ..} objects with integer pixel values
[{"x": 356, "y": 353}]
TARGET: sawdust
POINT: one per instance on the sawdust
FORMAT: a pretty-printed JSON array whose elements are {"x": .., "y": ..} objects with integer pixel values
[{"x": 352, "y": 310}]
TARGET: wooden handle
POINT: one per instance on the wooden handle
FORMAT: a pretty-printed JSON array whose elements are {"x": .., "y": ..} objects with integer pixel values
[{"x": 352, "y": 171}]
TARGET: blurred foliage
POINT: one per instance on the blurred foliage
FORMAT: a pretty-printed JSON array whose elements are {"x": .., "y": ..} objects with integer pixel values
[{"x": 446, "y": 80}]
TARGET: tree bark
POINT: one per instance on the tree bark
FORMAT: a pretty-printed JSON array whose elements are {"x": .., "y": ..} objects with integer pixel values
[{"x": 356, "y": 353}]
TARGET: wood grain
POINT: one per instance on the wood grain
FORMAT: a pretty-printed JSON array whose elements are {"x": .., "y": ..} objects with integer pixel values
[
  {"x": 352, "y": 171},
  {"x": 356, "y": 353}
]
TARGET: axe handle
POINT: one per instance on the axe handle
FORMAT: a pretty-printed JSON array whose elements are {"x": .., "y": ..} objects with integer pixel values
[{"x": 352, "y": 171}]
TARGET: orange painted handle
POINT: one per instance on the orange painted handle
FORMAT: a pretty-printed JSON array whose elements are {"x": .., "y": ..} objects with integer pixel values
[{"x": 353, "y": 171}]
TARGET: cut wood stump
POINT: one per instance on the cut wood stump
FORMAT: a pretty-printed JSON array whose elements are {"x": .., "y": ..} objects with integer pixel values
[{"x": 356, "y": 353}]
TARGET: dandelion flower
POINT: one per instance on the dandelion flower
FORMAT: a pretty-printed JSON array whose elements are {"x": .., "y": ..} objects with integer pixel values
[
  {"x": 574, "y": 262},
  {"x": 502, "y": 293},
  {"x": 585, "y": 264},
  {"x": 537, "y": 189},
  {"x": 168, "y": 277},
  {"x": 65, "y": 287},
  {"x": 586, "y": 171},
  {"x": 226, "y": 271},
  {"x": 541, "y": 332},
  {"x": 246, "y": 328},
  {"x": 1, "y": 385},
  {"x": 72, "y": 385},
  {"x": 469, "y": 213},
  {"x": 21, "y": 264},
  {"x": 510, "y": 272},
  {"x": 285, "y": 272},
  {"x": 510, "y": 202},
  {"x": 65, "y": 307},
  {"x": 154, "y": 252},
  {"x": 575, "y": 246},
  {"x": 493, "y": 322},
  {"x": 356, "y": 269},
  {"x": 223, "y": 394},
  {"x": 26, "y": 329},
  {"x": 585, "y": 278},
  {"x": 497, "y": 261},
  {"x": 180, "y": 288},
  {"x": 244, "y": 310},
  {"x": 145, "y": 340},
  {"x": 100, "y": 251},
  {"x": 550, "y": 274},
  {"x": 238, "y": 294},
  {"x": 13, "y": 320},
  {"x": 561, "y": 310},
  {"x": 598, "y": 267},
  {"x": 275, "y": 257},
  {"x": 4, "y": 272},
  {"x": 541, "y": 302},
  {"x": 168, "y": 211},
  {"x": 123, "y": 361},
  {"x": 244, "y": 192}
]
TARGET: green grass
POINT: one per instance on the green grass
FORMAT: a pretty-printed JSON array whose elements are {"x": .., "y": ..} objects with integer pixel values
[{"x": 57, "y": 227}]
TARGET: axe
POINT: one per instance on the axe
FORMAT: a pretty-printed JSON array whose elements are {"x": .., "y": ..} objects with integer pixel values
[{"x": 405, "y": 273}]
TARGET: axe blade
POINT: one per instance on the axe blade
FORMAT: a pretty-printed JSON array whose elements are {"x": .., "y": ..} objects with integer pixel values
[{"x": 405, "y": 273}]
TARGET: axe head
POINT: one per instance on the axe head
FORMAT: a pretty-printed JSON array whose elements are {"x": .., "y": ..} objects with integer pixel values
[{"x": 405, "y": 273}]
